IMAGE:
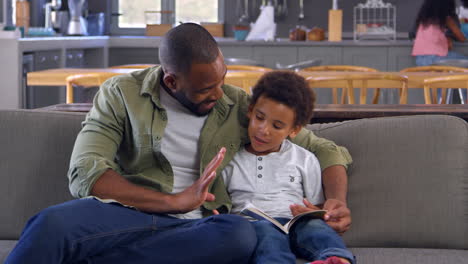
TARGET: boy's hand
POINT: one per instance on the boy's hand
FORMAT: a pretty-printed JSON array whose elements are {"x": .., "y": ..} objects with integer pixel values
[
  {"x": 196, "y": 194},
  {"x": 299, "y": 209},
  {"x": 338, "y": 215}
]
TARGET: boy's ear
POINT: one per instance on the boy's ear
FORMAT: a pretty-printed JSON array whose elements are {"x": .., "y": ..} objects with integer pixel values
[{"x": 295, "y": 131}]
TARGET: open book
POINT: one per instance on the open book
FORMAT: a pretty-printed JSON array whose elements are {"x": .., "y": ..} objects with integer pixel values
[{"x": 260, "y": 215}]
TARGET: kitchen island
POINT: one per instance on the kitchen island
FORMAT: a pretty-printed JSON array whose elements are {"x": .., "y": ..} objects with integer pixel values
[{"x": 32, "y": 54}]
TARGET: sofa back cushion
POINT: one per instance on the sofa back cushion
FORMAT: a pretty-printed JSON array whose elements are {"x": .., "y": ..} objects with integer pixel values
[
  {"x": 408, "y": 184},
  {"x": 35, "y": 149}
]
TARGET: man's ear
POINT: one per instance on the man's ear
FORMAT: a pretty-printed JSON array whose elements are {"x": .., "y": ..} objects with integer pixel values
[
  {"x": 295, "y": 131},
  {"x": 170, "y": 81},
  {"x": 249, "y": 111}
]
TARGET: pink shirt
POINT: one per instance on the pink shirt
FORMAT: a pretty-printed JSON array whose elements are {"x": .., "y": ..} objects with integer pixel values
[{"x": 430, "y": 40}]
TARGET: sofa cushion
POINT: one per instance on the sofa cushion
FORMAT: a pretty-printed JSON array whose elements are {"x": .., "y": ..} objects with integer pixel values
[
  {"x": 406, "y": 256},
  {"x": 408, "y": 184},
  {"x": 5, "y": 247},
  {"x": 36, "y": 149}
]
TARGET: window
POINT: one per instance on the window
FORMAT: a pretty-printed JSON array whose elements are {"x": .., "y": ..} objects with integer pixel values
[
  {"x": 133, "y": 12},
  {"x": 134, "y": 15},
  {"x": 196, "y": 11}
]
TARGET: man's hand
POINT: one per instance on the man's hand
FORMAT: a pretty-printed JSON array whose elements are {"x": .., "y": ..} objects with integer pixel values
[
  {"x": 195, "y": 195},
  {"x": 338, "y": 215}
]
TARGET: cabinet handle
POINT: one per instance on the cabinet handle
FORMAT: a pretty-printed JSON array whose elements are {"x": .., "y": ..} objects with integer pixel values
[
  {"x": 56, "y": 57},
  {"x": 42, "y": 59}
]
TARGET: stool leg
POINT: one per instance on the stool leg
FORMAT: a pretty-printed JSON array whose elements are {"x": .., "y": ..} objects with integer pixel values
[
  {"x": 449, "y": 97},
  {"x": 460, "y": 93}
]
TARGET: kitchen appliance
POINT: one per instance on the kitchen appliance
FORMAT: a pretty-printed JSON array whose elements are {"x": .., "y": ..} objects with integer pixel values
[
  {"x": 77, "y": 25},
  {"x": 375, "y": 20},
  {"x": 51, "y": 10}
]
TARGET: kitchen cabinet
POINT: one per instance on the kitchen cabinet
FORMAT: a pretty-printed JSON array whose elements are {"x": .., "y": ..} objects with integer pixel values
[
  {"x": 74, "y": 58},
  {"x": 119, "y": 56},
  {"x": 328, "y": 55},
  {"x": 373, "y": 57},
  {"x": 238, "y": 52},
  {"x": 269, "y": 56},
  {"x": 40, "y": 96}
]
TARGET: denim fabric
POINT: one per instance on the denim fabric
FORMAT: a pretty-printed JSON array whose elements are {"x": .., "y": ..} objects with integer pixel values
[
  {"x": 272, "y": 244},
  {"x": 426, "y": 60},
  {"x": 89, "y": 231},
  {"x": 311, "y": 240},
  {"x": 315, "y": 240}
]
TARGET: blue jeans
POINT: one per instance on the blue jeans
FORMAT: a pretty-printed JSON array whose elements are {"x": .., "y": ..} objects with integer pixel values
[
  {"x": 89, "y": 231},
  {"x": 311, "y": 240},
  {"x": 426, "y": 60}
]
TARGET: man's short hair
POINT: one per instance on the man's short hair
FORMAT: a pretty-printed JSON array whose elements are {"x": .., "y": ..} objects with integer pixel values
[
  {"x": 290, "y": 89},
  {"x": 184, "y": 45}
]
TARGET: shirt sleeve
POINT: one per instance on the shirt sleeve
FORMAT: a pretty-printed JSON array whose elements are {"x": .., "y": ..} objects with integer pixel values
[
  {"x": 312, "y": 180},
  {"x": 327, "y": 152},
  {"x": 97, "y": 143}
]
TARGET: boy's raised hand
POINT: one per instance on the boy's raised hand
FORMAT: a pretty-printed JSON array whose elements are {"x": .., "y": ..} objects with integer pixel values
[{"x": 196, "y": 194}]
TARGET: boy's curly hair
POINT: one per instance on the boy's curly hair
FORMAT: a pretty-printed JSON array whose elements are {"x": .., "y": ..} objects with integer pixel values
[{"x": 290, "y": 89}]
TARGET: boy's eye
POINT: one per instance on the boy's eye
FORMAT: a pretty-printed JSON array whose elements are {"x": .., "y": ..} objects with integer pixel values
[
  {"x": 259, "y": 117},
  {"x": 277, "y": 126}
]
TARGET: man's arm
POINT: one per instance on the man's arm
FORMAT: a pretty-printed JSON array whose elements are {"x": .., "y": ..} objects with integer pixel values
[
  {"x": 111, "y": 185},
  {"x": 93, "y": 170},
  {"x": 335, "y": 186},
  {"x": 333, "y": 161}
]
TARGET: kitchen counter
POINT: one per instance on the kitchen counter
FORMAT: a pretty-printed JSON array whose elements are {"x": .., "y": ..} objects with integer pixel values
[{"x": 40, "y": 43}]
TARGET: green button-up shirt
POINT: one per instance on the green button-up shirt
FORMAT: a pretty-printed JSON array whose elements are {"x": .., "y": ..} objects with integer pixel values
[{"x": 123, "y": 132}]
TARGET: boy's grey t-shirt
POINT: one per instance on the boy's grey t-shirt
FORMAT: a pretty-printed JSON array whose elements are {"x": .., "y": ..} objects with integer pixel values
[{"x": 275, "y": 181}]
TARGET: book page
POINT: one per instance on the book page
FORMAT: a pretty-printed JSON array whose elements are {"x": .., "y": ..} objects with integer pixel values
[
  {"x": 260, "y": 215},
  {"x": 317, "y": 214}
]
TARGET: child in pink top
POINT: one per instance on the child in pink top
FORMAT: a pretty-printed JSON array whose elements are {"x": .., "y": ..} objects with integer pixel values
[{"x": 434, "y": 19}]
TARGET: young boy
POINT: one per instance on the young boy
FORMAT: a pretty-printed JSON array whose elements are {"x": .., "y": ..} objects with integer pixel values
[{"x": 272, "y": 174}]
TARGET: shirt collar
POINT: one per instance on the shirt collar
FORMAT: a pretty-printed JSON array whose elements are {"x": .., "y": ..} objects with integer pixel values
[{"x": 150, "y": 85}]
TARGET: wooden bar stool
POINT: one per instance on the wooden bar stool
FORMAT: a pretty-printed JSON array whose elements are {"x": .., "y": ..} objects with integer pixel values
[
  {"x": 244, "y": 79},
  {"x": 350, "y": 81},
  {"x": 247, "y": 68},
  {"x": 134, "y": 66},
  {"x": 86, "y": 81},
  {"x": 444, "y": 96},
  {"x": 431, "y": 85},
  {"x": 345, "y": 68}
]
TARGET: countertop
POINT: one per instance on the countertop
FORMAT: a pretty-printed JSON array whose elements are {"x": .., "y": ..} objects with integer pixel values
[{"x": 43, "y": 43}]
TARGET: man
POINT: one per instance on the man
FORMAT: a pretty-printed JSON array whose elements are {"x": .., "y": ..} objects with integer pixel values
[{"x": 146, "y": 154}]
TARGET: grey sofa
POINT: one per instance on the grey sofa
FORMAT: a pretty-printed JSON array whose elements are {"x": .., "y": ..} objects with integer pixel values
[{"x": 408, "y": 185}]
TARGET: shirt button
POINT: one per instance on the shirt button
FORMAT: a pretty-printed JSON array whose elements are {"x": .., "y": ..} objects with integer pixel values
[
  {"x": 260, "y": 158},
  {"x": 259, "y": 176},
  {"x": 260, "y": 167}
]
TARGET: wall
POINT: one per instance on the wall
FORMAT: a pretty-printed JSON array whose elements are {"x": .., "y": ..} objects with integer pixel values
[
  {"x": 2, "y": 9},
  {"x": 316, "y": 14}
]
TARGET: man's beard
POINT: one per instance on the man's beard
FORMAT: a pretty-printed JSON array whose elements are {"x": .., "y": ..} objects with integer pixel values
[{"x": 194, "y": 108}]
